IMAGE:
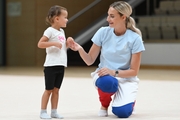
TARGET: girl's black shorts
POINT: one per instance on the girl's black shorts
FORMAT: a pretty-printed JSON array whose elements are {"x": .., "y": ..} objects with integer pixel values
[{"x": 53, "y": 76}]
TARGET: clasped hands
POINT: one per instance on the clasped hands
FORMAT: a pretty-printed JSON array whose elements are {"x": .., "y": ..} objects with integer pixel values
[{"x": 72, "y": 44}]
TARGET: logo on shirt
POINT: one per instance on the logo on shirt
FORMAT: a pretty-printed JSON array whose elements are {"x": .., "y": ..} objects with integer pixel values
[{"x": 61, "y": 38}]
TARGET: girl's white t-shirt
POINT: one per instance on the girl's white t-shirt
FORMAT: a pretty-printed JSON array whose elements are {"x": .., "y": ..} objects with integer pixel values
[{"x": 54, "y": 55}]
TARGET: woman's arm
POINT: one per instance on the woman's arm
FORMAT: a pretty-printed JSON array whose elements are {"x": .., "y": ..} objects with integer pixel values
[
  {"x": 134, "y": 67},
  {"x": 89, "y": 57},
  {"x": 133, "y": 71}
]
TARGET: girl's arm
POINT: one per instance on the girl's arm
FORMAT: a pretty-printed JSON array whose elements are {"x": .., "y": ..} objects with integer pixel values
[{"x": 43, "y": 43}]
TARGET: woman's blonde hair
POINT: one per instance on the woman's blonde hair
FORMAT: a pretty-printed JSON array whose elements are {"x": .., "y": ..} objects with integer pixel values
[
  {"x": 125, "y": 9},
  {"x": 53, "y": 12}
]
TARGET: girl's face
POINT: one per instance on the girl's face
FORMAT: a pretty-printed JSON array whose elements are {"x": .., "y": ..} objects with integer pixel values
[
  {"x": 62, "y": 20},
  {"x": 114, "y": 19}
]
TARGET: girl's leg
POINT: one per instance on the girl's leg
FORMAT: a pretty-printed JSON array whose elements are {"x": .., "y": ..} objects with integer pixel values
[
  {"x": 45, "y": 98},
  {"x": 58, "y": 79},
  {"x": 55, "y": 94},
  {"x": 54, "y": 103},
  {"x": 107, "y": 86},
  {"x": 44, "y": 102},
  {"x": 54, "y": 98},
  {"x": 123, "y": 111}
]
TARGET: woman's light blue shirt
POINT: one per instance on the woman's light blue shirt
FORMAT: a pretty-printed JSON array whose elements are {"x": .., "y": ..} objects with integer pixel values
[{"x": 116, "y": 51}]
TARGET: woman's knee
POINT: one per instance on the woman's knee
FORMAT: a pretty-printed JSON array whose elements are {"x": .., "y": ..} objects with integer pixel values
[
  {"x": 123, "y": 111},
  {"x": 107, "y": 84}
]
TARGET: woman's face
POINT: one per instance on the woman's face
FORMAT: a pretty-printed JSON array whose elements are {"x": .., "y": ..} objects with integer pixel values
[{"x": 114, "y": 19}]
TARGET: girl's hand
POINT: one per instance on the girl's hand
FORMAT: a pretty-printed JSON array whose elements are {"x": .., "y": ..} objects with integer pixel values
[
  {"x": 58, "y": 44},
  {"x": 70, "y": 42}
]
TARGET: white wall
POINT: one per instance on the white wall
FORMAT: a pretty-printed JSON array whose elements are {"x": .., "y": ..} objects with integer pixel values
[{"x": 161, "y": 54}]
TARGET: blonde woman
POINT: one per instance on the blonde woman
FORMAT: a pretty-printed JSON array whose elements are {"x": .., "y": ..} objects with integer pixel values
[{"x": 120, "y": 46}]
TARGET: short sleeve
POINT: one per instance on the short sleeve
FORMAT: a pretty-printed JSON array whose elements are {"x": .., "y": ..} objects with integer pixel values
[
  {"x": 98, "y": 36},
  {"x": 138, "y": 45},
  {"x": 47, "y": 33}
]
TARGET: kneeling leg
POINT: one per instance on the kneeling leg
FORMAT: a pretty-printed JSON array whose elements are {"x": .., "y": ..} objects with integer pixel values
[{"x": 123, "y": 111}]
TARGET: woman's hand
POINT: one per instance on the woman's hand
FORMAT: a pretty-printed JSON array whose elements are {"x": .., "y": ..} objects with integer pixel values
[
  {"x": 105, "y": 71},
  {"x": 72, "y": 44},
  {"x": 76, "y": 47}
]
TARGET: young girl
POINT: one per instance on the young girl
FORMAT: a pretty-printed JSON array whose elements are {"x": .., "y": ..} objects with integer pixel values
[{"x": 56, "y": 45}]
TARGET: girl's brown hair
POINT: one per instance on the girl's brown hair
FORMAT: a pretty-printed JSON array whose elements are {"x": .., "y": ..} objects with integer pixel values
[{"x": 53, "y": 12}]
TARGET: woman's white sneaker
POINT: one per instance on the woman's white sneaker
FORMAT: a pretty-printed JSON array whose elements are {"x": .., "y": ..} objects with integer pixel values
[{"x": 103, "y": 113}]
